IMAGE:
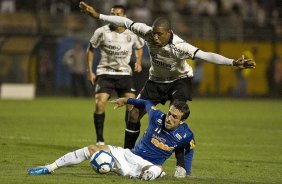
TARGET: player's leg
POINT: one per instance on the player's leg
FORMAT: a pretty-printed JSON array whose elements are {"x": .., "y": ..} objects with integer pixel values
[
  {"x": 180, "y": 89},
  {"x": 133, "y": 125},
  {"x": 68, "y": 159},
  {"x": 132, "y": 130},
  {"x": 128, "y": 107},
  {"x": 103, "y": 88},
  {"x": 125, "y": 88},
  {"x": 101, "y": 100},
  {"x": 151, "y": 91}
]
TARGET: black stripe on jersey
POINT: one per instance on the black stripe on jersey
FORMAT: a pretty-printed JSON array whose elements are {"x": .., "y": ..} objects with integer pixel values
[
  {"x": 131, "y": 25},
  {"x": 195, "y": 53}
]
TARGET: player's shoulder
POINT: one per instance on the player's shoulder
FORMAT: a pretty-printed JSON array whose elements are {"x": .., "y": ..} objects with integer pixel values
[
  {"x": 103, "y": 29},
  {"x": 130, "y": 33},
  {"x": 177, "y": 40},
  {"x": 184, "y": 130}
]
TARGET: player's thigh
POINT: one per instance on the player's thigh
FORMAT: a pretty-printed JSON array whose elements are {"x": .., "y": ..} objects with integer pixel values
[
  {"x": 94, "y": 148},
  {"x": 181, "y": 90},
  {"x": 154, "y": 92},
  {"x": 124, "y": 85},
  {"x": 105, "y": 84},
  {"x": 129, "y": 163},
  {"x": 135, "y": 114}
]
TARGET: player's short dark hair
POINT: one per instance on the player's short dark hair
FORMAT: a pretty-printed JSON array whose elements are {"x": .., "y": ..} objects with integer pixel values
[
  {"x": 162, "y": 22},
  {"x": 120, "y": 7},
  {"x": 183, "y": 107}
]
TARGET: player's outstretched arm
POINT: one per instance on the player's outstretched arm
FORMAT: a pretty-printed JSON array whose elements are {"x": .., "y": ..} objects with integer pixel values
[
  {"x": 117, "y": 20},
  {"x": 89, "y": 10},
  {"x": 244, "y": 63}
]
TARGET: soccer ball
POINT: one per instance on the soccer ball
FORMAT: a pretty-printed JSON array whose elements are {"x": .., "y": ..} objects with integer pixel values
[{"x": 102, "y": 161}]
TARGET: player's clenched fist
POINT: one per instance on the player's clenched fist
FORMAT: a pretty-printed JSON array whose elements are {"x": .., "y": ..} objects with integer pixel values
[{"x": 88, "y": 9}]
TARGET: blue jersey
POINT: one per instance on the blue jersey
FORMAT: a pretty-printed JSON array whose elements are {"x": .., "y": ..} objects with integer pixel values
[{"x": 157, "y": 143}]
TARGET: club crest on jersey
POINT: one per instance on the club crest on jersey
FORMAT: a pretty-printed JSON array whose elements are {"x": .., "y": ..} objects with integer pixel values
[{"x": 128, "y": 38}]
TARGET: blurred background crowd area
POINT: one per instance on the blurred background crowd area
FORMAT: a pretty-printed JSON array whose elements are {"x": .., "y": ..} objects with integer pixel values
[{"x": 36, "y": 34}]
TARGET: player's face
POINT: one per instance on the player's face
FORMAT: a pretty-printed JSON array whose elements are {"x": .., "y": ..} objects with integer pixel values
[
  {"x": 161, "y": 36},
  {"x": 117, "y": 12},
  {"x": 173, "y": 118}
]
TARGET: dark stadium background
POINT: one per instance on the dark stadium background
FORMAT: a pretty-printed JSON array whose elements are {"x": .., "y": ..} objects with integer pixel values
[{"x": 34, "y": 35}]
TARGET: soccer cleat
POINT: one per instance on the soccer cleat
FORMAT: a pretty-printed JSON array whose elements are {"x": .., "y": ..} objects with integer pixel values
[
  {"x": 99, "y": 143},
  {"x": 38, "y": 171}
]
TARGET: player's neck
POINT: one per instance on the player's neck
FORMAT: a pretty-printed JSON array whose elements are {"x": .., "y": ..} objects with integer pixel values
[{"x": 119, "y": 29}]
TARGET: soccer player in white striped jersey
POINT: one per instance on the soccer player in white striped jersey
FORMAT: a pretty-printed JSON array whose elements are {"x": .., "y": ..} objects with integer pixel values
[{"x": 113, "y": 71}]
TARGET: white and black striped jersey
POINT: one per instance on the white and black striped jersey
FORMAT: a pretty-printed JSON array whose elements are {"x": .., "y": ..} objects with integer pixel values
[
  {"x": 168, "y": 63},
  {"x": 115, "y": 50}
]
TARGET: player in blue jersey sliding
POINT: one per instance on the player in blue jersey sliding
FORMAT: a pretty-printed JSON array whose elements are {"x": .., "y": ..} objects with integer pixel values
[{"x": 166, "y": 133}]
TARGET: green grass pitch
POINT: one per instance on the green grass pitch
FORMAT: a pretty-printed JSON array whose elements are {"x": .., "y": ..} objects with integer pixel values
[{"x": 238, "y": 140}]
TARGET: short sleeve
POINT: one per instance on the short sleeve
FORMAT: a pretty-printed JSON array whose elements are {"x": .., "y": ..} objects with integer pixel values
[
  {"x": 97, "y": 38},
  {"x": 139, "y": 43}
]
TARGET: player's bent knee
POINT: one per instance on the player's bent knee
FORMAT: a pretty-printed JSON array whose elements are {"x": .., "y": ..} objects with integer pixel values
[{"x": 94, "y": 148}]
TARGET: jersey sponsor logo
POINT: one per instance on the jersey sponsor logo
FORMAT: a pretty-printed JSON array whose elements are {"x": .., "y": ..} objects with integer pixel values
[
  {"x": 113, "y": 47},
  {"x": 119, "y": 54},
  {"x": 161, "y": 64},
  {"x": 160, "y": 143},
  {"x": 115, "y": 50},
  {"x": 180, "y": 51}
]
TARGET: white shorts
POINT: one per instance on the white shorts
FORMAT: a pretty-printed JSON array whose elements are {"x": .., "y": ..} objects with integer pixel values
[{"x": 127, "y": 163}]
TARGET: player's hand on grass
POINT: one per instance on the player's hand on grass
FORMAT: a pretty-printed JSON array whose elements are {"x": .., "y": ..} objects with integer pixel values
[
  {"x": 88, "y": 10},
  {"x": 180, "y": 172},
  {"x": 244, "y": 63}
]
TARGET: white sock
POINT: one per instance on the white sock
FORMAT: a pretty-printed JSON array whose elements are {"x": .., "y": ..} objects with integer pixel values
[{"x": 70, "y": 158}]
